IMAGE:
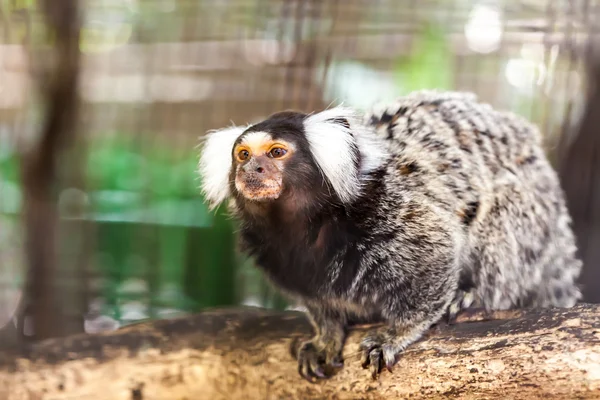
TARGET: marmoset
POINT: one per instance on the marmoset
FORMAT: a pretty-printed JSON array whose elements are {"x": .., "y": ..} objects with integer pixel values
[{"x": 404, "y": 214}]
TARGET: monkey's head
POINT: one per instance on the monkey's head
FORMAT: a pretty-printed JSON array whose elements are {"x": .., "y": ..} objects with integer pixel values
[{"x": 291, "y": 156}]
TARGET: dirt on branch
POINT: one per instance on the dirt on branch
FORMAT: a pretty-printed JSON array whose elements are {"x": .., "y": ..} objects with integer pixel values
[{"x": 245, "y": 353}]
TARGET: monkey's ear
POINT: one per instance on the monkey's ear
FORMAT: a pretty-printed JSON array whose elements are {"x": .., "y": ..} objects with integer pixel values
[
  {"x": 344, "y": 148},
  {"x": 215, "y": 163},
  {"x": 334, "y": 148}
]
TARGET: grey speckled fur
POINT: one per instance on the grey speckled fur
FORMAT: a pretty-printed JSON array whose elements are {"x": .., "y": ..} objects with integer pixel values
[
  {"x": 518, "y": 249},
  {"x": 467, "y": 211},
  {"x": 453, "y": 157}
]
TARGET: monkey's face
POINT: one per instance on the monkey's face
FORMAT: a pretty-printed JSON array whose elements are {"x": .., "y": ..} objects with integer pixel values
[{"x": 259, "y": 163}]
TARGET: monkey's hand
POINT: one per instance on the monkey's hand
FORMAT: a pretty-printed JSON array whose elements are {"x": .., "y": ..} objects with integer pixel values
[
  {"x": 380, "y": 348},
  {"x": 321, "y": 357},
  {"x": 318, "y": 362}
]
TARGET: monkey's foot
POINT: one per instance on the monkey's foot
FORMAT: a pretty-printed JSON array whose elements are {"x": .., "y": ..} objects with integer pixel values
[
  {"x": 315, "y": 363},
  {"x": 380, "y": 349},
  {"x": 462, "y": 300}
]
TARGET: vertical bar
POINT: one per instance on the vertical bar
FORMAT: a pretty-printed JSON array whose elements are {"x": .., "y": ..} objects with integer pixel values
[{"x": 41, "y": 169}]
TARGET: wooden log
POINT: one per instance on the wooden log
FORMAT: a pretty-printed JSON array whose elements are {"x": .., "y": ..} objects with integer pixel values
[{"x": 245, "y": 353}]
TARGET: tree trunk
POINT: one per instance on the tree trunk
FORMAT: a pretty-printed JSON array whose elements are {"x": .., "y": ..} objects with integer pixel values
[
  {"x": 245, "y": 354},
  {"x": 44, "y": 162},
  {"x": 580, "y": 176}
]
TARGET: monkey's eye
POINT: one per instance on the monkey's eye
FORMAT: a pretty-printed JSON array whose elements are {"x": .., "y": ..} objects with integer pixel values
[
  {"x": 277, "y": 152},
  {"x": 243, "y": 155}
]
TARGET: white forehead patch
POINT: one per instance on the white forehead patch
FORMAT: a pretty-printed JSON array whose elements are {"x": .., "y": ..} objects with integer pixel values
[
  {"x": 256, "y": 139},
  {"x": 215, "y": 163}
]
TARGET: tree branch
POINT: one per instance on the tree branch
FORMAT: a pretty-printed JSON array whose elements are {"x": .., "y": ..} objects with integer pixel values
[{"x": 245, "y": 354}]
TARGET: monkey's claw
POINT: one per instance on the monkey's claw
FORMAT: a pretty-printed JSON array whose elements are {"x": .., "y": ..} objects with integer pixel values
[
  {"x": 313, "y": 364},
  {"x": 462, "y": 301},
  {"x": 376, "y": 354}
]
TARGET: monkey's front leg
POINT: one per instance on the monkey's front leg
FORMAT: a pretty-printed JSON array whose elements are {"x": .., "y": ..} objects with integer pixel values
[
  {"x": 319, "y": 357},
  {"x": 381, "y": 347}
]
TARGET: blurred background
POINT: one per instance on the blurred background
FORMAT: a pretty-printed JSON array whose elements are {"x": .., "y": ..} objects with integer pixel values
[{"x": 103, "y": 225}]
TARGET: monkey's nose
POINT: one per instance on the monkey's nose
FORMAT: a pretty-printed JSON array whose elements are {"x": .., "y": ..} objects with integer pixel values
[{"x": 260, "y": 170}]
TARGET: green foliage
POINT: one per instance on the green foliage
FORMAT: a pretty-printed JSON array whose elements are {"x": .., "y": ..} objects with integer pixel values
[
  {"x": 9, "y": 168},
  {"x": 430, "y": 66},
  {"x": 18, "y": 5},
  {"x": 116, "y": 163},
  {"x": 152, "y": 227}
]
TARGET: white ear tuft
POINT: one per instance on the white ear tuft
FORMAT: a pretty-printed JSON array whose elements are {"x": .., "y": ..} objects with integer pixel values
[
  {"x": 215, "y": 163},
  {"x": 344, "y": 154}
]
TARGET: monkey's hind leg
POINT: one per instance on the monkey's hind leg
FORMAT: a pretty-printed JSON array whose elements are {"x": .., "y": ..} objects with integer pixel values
[
  {"x": 463, "y": 300},
  {"x": 466, "y": 308}
]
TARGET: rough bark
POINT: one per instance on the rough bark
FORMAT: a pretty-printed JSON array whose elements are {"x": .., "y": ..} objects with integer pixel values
[{"x": 245, "y": 353}]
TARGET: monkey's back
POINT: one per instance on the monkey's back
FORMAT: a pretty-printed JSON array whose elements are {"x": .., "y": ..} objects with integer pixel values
[{"x": 488, "y": 169}]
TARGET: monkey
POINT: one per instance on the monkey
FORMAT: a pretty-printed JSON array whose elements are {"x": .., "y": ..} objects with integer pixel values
[{"x": 405, "y": 213}]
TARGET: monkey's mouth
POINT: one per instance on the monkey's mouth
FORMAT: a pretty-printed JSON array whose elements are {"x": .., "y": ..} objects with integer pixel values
[{"x": 259, "y": 189}]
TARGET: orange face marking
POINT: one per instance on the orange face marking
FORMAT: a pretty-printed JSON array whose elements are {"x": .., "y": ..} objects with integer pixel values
[{"x": 259, "y": 144}]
